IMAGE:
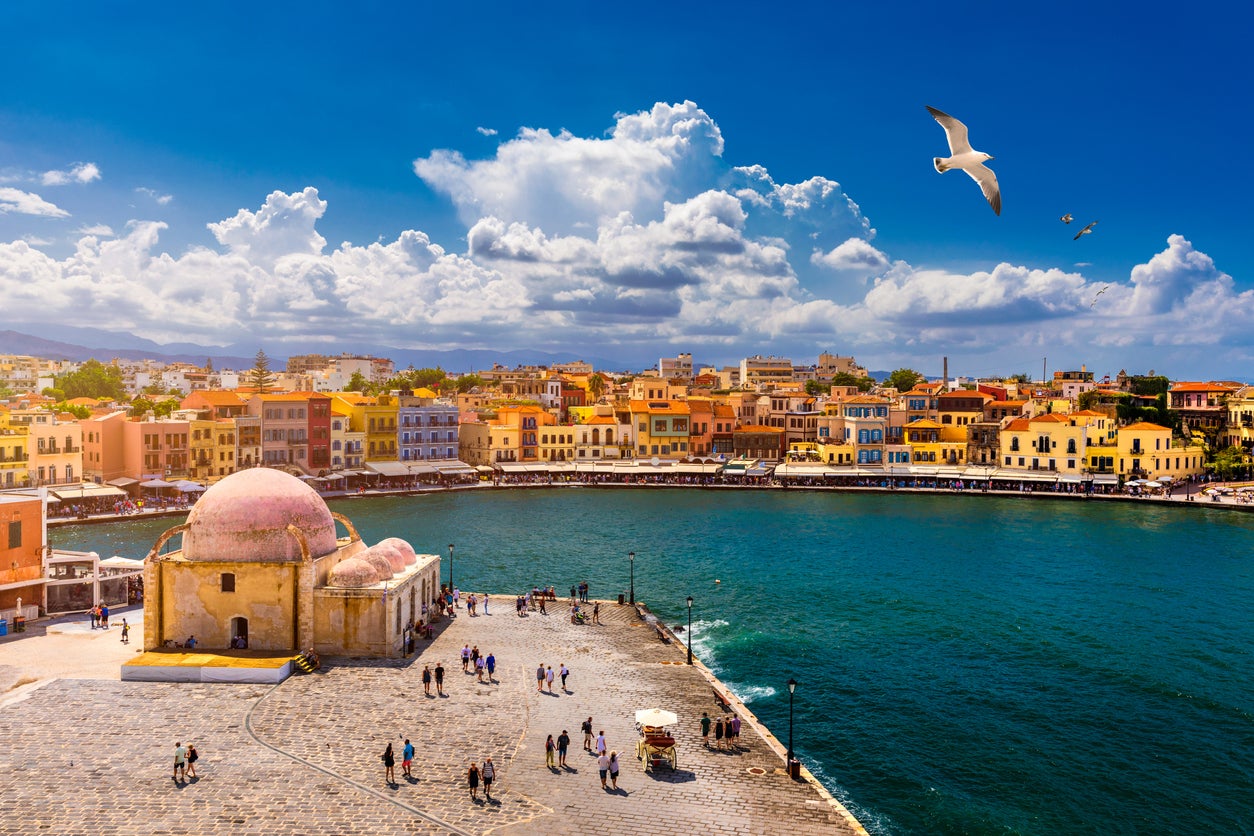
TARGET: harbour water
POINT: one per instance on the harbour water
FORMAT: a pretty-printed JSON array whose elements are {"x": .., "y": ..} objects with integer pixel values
[{"x": 967, "y": 664}]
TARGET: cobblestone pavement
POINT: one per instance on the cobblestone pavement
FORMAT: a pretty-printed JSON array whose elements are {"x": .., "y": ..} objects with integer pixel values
[{"x": 95, "y": 756}]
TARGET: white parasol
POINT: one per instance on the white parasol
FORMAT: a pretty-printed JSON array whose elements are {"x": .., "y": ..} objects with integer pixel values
[{"x": 656, "y": 717}]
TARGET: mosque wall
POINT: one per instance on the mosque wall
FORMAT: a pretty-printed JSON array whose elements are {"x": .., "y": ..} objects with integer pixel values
[{"x": 197, "y": 599}]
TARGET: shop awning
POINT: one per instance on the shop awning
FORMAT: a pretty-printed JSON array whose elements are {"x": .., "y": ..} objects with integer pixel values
[
  {"x": 87, "y": 491},
  {"x": 422, "y": 469},
  {"x": 122, "y": 482},
  {"x": 388, "y": 468},
  {"x": 1105, "y": 479},
  {"x": 1027, "y": 475},
  {"x": 457, "y": 469},
  {"x": 513, "y": 467}
]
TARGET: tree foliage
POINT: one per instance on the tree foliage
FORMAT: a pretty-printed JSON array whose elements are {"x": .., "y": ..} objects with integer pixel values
[
  {"x": 357, "y": 383},
  {"x": 903, "y": 380},
  {"x": 93, "y": 379},
  {"x": 260, "y": 378},
  {"x": 77, "y": 411},
  {"x": 1147, "y": 385},
  {"x": 864, "y": 384},
  {"x": 141, "y": 406}
]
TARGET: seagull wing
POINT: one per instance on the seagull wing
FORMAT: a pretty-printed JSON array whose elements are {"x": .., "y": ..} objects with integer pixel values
[
  {"x": 1084, "y": 231},
  {"x": 984, "y": 175},
  {"x": 955, "y": 132}
]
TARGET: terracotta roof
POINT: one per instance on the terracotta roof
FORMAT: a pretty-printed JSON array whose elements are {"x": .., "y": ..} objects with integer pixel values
[
  {"x": 925, "y": 424},
  {"x": 1145, "y": 425},
  {"x": 867, "y": 399},
  {"x": 1018, "y": 425},
  {"x": 601, "y": 419},
  {"x": 1050, "y": 418},
  {"x": 759, "y": 428},
  {"x": 672, "y": 407},
  {"x": 1187, "y": 386},
  {"x": 1090, "y": 413}
]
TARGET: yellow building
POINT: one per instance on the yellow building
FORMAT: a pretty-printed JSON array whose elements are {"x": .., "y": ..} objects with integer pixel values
[
  {"x": 514, "y": 435},
  {"x": 1239, "y": 430},
  {"x": 662, "y": 428},
  {"x": 261, "y": 560},
  {"x": 1147, "y": 451},
  {"x": 925, "y": 439},
  {"x": 54, "y": 452},
  {"x": 13, "y": 440},
  {"x": 376, "y": 417}
]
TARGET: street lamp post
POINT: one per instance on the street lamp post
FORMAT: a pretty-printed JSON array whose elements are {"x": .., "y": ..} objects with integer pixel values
[
  {"x": 690, "y": 629},
  {"x": 450, "y": 568},
  {"x": 792, "y": 687},
  {"x": 631, "y": 562}
]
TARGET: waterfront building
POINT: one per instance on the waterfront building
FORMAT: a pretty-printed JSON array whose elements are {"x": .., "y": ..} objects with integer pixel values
[
  {"x": 600, "y": 436},
  {"x": 216, "y": 403},
  {"x": 1147, "y": 451},
  {"x": 701, "y": 424},
  {"x": 1239, "y": 431},
  {"x": 661, "y": 428},
  {"x": 295, "y": 430},
  {"x": 795, "y": 412},
  {"x": 514, "y": 434},
  {"x": 866, "y": 419},
  {"x": 377, "y": 418},
  {"x": 13, "y": 444},
  {"x": 1202, "y": 406},
  {"x": 928, "y": 446},
  {"x": 54, "y": 452},
  {"x": 984, "y": 443},
  {"x": 428, "y": 427},
  {"x": 347, "y": 445},
  {"x": 918, "y": 404},
  {"x": 957, "y": 410},
  {"x": 155, "y": 449},
  {"x": 23, "y": 543},
  {"x": 721, "y": 443},
  {"x": 758, "y": 442},
  {"x": 212, "y": 449},
  {"x": 557, "y": 443},
  {"x": 260, "y": 558},
  {"x": 103, "y": 459}
]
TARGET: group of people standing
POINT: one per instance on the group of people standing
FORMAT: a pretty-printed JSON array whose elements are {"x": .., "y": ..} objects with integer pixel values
[{"x": 726, "y": 732}]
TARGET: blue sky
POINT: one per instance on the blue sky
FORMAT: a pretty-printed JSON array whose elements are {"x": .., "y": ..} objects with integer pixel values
[{"x": 636, "y": 182}]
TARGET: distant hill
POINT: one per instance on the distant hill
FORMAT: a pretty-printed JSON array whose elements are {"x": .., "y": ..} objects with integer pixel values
[{"x": 64, "y": 342}]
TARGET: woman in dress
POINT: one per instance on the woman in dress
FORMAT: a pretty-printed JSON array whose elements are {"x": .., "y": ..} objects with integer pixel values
[
  {"x": 389, "y": 765},
  {"x": 472, "y": 778}
]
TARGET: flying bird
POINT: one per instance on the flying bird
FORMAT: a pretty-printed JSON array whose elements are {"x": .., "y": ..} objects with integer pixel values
[
  {"x": 1099, "y": 293},
  {"x": 1067, "y": 218},
  {"x": 1084, "y": 231},
  {"x": 964, "y": 157}
]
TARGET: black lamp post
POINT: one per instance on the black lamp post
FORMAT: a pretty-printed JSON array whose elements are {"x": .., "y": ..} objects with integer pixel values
[
  {"x": 450, "y": 568},
  {"x": 690, "y": 629},
  {"x": 631, "y": 562},
  {"x": 792, "y": 686}
]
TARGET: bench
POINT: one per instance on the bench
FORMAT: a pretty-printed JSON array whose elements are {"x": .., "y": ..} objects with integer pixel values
[
  {"x": 722, "y": 700},
  {"x": 661, "y": 634}
]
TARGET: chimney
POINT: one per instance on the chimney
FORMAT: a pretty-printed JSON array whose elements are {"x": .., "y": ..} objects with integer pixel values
[{"x": 945, "y": 386}]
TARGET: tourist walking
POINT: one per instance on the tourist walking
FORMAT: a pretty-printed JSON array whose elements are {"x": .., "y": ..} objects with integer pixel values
[
  {"x": 735, "y": 732},
  {"x": 491, "y": 664},
  {"x": 426, "y": 679},
  {"x": 548, "y": 678},
  {"x": 485, "y": 603},
  {"x": 601, "y": 742},
  {"x": 94, "y": 612},
  {"x": 192, "y": 757},
  {"x": 472, "y": 778},
  {"x": 565, "y": 673},
  {"x": 586, "y": 728},
  {"x": 439, "y": 678},
  {"x": 614, "y": 769},
  {"x": 389, "y": 765},
  {"x": 465, "y": 658},
  {"x": 489, "y": 775},
  {"x": 126, "y": 632},
  {"x": 596, "y": 613},
  {"x": 180, "y": 761},
  {"x": 549, "y": 749},
  {"x": 718, "y": 734},
  {"x": 407, "y": 759},
  {"x": 603, "y": 766},
  {"x": 563, "y": 743},
  {"x": 540, "y": 678},
  {"x": 481, "y": 665},
  {"x": 104, "y": 617},
  {"x": 705, "y": 728}
]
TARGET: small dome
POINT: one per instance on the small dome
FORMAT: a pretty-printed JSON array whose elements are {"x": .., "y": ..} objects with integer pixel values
[
  {"x": 245, "y": 516},
  {"x": 394, "y": 555},
  {"x": 352, "y": 573},
  {"x": 382, "y": 566},
  {"x": 406, "y": 550}
]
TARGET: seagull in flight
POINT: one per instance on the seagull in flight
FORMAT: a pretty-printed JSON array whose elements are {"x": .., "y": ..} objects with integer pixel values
[
  {"x": 964, "y": 157},
  {"x": 1099, "y": 293},
  {"x": 1084, "y": 231},
  {"x": 1067, "y": 218}
]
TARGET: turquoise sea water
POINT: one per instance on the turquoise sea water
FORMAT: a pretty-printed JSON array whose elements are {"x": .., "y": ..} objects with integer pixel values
[{"x": 967, "y": 664}]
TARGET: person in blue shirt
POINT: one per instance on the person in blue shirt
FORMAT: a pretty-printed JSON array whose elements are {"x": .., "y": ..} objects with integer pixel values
[{"x": 407, "y": 757}]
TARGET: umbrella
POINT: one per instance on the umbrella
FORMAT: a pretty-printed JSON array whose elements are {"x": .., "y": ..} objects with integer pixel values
[
  {"x": 156, "y": 483},
  {"x": 656, "y": 717},
  {"x": 1152, "y": 484}
]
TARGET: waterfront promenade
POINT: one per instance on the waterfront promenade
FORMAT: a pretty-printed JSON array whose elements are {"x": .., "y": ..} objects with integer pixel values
[{"x": 94, "y": 754}]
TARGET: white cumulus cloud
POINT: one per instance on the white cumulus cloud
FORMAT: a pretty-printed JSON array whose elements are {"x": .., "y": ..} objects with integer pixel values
[
  {"x": 26, "y": 203},
  {"x": 486, "y": 131},
  {"x": 77, "y": 173}
]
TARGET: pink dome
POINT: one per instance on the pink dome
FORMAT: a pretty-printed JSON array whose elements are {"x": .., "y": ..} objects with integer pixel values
[
  {"x": 245, "y": 516},
  {"x": 407, "y": 551},
  {"x": 394, "y": 555},
  {"x": 382, "y": 566},
  {"x": 352, "y": 573}
]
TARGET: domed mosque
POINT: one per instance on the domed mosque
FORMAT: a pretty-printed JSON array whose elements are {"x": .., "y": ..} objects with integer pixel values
[{"x": 261, "y": 566}]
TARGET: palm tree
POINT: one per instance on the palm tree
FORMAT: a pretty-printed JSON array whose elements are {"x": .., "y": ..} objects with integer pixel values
[{"x": 596, "y": 386}]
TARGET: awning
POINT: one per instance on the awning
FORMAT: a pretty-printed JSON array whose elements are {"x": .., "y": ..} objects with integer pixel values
[
  {"x": 796, "y": 469},
  {"x": 537, "y": 468},
  {"x": 485, "y": 468},
  {"x": 561, "y": 467},
  {"x": 422, "y": 469},
  {"x": 513, "y": 467},
  {"x": 388, "y": 468},
  {"x": 122, "y": 482},
  {"x": 758, "y": 470},
  {"x": 458, "y": 469},
  {"x": 335, "y": 477},
  {"x": 1071, "y": 478},
  {"x": 86, "y": 491},
  {"x": 1105, "y": 479},
  {"x": 1027, "y": 475},
  {"x": 156, "y": 483}
]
